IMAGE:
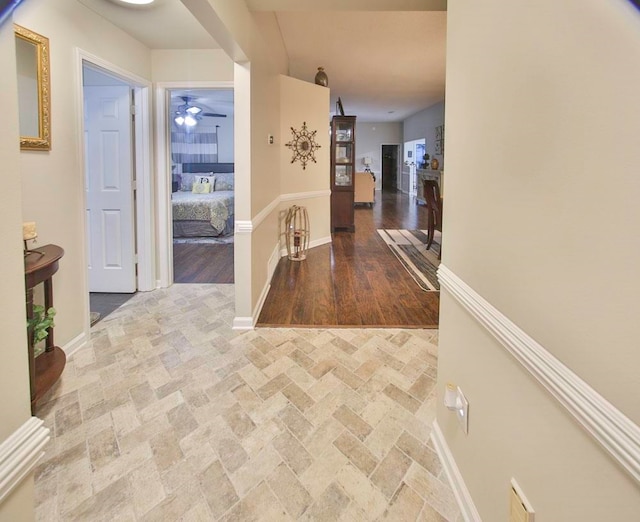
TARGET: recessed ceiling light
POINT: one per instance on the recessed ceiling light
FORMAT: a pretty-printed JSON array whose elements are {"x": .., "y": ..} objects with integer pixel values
[{"x": 136, "y": 2}]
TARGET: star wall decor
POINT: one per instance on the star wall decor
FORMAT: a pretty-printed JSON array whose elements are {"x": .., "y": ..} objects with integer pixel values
[{"x": 303, "y": 144}]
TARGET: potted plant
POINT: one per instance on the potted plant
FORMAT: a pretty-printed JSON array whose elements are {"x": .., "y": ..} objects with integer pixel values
[{"x": 40, "y": 323}]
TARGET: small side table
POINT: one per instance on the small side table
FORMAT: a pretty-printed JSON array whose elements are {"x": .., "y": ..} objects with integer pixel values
[{"x": 45, "y": 369}]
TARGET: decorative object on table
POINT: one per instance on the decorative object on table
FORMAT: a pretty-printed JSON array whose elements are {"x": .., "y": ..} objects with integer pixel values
[
  {"x": 409, "y": 247},
  {"x": 29, "y": 234},
  {"x": 425, "y": 161},
  {"x": 339, "y": 107},
  {"x": 322, "y": 78},
  {"x": 435, "y": 164},
  {"x": 303, "y": 145},
  {"x": 297, "y": 233},
  {"x": 367, "y": 161}
]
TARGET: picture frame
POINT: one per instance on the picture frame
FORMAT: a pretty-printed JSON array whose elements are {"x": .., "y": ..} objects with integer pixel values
[{"x": 339, "y": 107}]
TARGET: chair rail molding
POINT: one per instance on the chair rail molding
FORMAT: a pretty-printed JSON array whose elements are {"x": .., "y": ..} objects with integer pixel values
[
  {"x": 613, "y": 430},
  {"x": 20, "y": 453}
]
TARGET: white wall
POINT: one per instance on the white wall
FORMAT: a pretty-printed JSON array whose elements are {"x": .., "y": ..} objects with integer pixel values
[
  {"x": 369, "y": 140},
  {"x": 535, "y": 100},
  {"x": 182, "y": 65},
  {"x": 423, "y": 125}
]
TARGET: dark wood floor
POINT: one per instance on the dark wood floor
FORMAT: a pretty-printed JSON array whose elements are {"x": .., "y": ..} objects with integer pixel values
[
  {"x": 203, "y": 263},
  {"x": 356, "y": 280}
]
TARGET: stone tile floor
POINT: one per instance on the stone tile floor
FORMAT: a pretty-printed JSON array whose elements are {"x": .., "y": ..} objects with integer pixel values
[{"x": 168, "y": 414}]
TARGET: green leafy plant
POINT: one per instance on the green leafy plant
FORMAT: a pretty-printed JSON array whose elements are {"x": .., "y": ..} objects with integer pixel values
[{"x": 41, "y": 322}]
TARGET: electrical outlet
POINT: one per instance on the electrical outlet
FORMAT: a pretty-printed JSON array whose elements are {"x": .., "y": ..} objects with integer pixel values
[
  {"x": 462, "y": 410},
  {"x": 270, "y": 139}
]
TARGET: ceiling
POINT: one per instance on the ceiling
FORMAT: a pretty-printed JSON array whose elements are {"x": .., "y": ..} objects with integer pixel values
[{"x": 384, "y": 58}]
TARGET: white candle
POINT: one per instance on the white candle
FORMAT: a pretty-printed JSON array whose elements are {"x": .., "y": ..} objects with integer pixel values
[{"x": 29, "y": 230}]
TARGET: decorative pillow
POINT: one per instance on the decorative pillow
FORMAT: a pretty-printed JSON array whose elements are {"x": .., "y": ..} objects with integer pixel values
[
  {"x": 205, "y": 178},
  {"x": 201, "y": 188},
  {"x": 224, "y": 181},
  {"x": 188, "y": 179}
]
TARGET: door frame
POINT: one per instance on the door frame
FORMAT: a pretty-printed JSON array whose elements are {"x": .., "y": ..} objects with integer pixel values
[
  {"x": 142, "y": 158},
  {"x": 163, "y": 171}
]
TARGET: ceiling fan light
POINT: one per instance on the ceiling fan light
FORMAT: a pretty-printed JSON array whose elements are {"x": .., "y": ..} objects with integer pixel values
[
  {"x": 179, "y": 120},
  {"x": 194, "y": 110},
  {"x": 189, "y": 121}
]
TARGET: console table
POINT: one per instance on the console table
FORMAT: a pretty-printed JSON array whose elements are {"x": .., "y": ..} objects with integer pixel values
[{"x": 44, "y": 370}]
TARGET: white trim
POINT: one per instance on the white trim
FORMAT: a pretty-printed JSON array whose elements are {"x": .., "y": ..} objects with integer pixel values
[
  {"x": 20, "y": 453},
  {"x": 75, "y": 344},
  {"x": 615, "y": 432},
  {"x": 305, "y": 195},
  {"x": 264, "y": 213},
  {"x": 243, "y": 227},
  {"x": 460, "y": 491},
  {"x": 242, "y": 323},
  {"x": 273, "y": 262}
]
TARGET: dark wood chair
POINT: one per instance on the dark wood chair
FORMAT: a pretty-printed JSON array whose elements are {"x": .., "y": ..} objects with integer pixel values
[{"x": 434, "y": 209}]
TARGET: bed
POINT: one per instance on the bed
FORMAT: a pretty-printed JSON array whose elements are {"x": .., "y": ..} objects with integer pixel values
[{"x": 204, "y": 215}]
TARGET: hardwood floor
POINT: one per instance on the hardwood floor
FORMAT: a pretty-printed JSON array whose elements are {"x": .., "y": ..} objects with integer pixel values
[
  {"x": 203, "y": 263},
  {"x": 356, "y": 280}
]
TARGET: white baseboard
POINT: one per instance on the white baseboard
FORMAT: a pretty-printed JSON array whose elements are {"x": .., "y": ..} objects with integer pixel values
[
  {"x": 242, "y": 323},
  {"x": 20, "y": 453},
  {"x": 614, "y": 431},
  {"x": 75, "y": 344},
  {"x": 460, "y": 491}
]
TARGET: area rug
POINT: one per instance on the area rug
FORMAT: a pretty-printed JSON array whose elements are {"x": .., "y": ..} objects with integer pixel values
[{"x": 410, "y": 247}]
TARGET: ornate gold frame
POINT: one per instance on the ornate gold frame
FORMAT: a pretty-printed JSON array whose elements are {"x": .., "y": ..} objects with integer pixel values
[{"x": 43, "y": 140}]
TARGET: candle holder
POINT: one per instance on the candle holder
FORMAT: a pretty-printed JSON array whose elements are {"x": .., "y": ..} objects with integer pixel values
[{"x": 29, "y": 234}]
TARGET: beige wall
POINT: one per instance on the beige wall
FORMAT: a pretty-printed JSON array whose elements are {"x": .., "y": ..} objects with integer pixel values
[
  {"x": 52, "y": 182},
  {"x": 541, "y": 219},
  {"x": 14, "y": 371},
  {"x": 301, "y": 102},
  {"x": 180, "y": 65}
]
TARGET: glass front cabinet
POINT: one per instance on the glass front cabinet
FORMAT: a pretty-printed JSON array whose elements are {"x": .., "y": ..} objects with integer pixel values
[{"x": 343, "y": 149}]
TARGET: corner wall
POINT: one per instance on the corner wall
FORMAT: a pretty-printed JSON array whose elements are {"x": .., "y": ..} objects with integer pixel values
[
  {"x": 14, "y": 371},
  {"x": 542, "y": 229},
  {"x": 302, "y": 102}
]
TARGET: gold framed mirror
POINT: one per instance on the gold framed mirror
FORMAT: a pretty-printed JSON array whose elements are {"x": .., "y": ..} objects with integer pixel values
[{"x": 32, "y": 64}]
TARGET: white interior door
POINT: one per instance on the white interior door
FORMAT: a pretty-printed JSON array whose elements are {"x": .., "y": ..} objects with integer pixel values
[{"x": 110, "y": 189}]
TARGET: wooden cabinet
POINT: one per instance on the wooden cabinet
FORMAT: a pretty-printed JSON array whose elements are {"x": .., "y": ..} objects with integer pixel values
[
  {"x": 343, "y": 150},
  {"x": 44, "y": 370}
]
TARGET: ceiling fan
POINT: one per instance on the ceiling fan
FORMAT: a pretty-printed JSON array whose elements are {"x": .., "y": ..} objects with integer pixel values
[{"x": 189, "y": 114}]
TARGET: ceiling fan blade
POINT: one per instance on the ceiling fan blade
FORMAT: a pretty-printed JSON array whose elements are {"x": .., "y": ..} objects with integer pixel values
[{"x": 214, "y": 115}]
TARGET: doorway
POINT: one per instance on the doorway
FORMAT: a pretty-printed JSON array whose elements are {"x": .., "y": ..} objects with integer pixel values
[
  {"x": 115, "y": 122},
  {"x": 201, "y": 154},
  {"x": 390, "y": 167}
]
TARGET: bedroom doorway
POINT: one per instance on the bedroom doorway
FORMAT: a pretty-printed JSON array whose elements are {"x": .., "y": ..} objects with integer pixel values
[{"x": 201, "y": 159}]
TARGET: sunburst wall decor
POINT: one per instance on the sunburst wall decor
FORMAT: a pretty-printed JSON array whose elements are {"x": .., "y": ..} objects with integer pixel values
[{"x": 303, "y": 144}]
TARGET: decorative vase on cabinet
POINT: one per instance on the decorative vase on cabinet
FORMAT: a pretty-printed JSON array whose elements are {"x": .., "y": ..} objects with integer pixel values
[{"x": 343, "y": 145}]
